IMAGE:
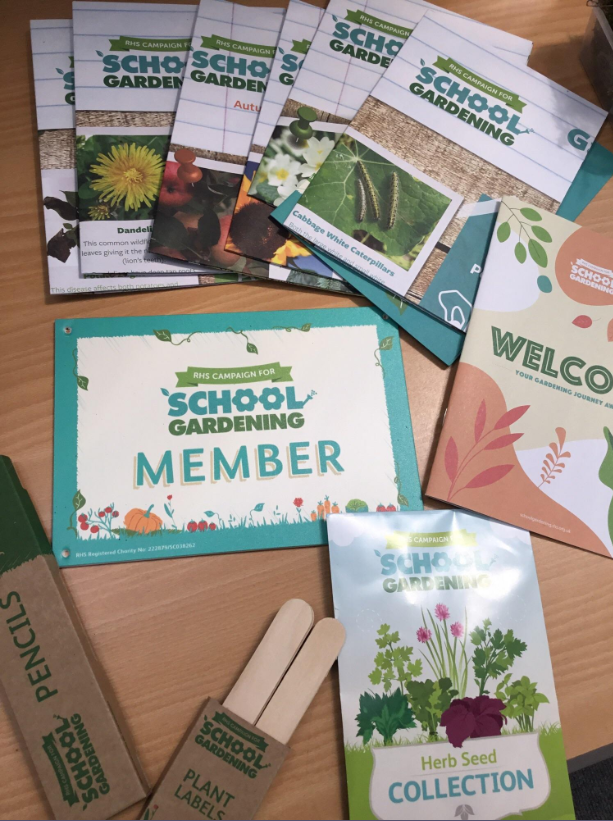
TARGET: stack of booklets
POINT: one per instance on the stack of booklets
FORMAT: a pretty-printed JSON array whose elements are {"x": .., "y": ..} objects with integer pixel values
[{"x": 363, "y": 148}]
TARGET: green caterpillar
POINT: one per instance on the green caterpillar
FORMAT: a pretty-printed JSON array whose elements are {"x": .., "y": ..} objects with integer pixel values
[
  {"x": 394, "y": 195},
  {"x": 370, "y": 191},
  {"x": 361, "y": 201}
]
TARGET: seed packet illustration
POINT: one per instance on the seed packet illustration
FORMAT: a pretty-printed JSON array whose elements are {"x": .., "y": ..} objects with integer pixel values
[
  {"x": 53, "y": 63},
  {"x": 435, "y": 132},
  {"x": 232, "y": 52},
  {"x": 129, "y": 63},
  {"x": 448, "y": 699},
  {"x": 228, "y": 432},
  {"x": 535, "y": 383}
]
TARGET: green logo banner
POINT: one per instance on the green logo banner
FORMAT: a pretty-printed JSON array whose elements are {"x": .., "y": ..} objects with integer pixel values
[
  {"x": 301, "y": 46},
  {"x": 508, "y": 97},
  {"x": 252, "y": 49},
  {"x": 239, "y": 730},
  {"x": 450, "y": 538},
  {"x": 59, "y": 768},
  {"x": 147, "y": 44},
  {"x": 273, "y": 372},
  {"x": 364, "y": 19}
]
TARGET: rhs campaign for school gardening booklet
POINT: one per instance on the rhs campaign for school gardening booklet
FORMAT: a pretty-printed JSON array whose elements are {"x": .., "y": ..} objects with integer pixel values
[
  {"x": 229, "y": 64},
  {"x": 528, "y": 435},
  {"x": 52, "y": 57},
  {"x": 354, "y": 45},
  {"x": 129, "y": 64},
  {"x": 229, "y": 432},
  {"x": 447, "y": 693},
  {"x": 448, "y": 122}
]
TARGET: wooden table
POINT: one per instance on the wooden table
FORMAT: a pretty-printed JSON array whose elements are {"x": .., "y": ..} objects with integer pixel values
[{"x": 171, "y": 632}]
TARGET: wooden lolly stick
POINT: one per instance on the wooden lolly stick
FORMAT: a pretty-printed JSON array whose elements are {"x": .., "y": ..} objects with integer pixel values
[
  {"x": 270, "y": 661},
  {"x": 302, "y": 681}
]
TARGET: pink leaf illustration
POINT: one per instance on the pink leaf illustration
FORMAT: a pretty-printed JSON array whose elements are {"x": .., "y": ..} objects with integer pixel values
[
  {"x": 489, "y": 476},
  {"x": 565, "y": 455},
  {"x": 550, "y": 457},
  {"x": 561, "y": 436},
  {"x": 511, "y": 416},
  {"x": 610, "y": 331},
  {"x": 503, "y": 441},
  {"x": 554, "y": 448},
  {"x": 451, "y": 459},
  {"x": 582, "y": 321},
  {"x": 480, "y": 420}
]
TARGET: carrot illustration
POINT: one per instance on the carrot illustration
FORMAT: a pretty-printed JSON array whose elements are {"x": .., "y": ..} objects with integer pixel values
[
  {"x": 320, "y": 510},
  {"x": 327, "y": 505},
  {"x": 335, "y": 507},
  {"x": 313, "y": 516}
]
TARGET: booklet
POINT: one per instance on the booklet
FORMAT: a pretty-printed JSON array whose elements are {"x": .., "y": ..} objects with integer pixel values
[
  {"x": 528, "y": 433},
  {"x": 447, "y": 694},
  {"x": 232, "y": 51},
  {"x": 436, "y": 132},
  {"x": 353, "y": 46},
  {"x": 129, "y": 63},
  {"x": 230, "y": 432},
  {"x": 52, "y": 59}
]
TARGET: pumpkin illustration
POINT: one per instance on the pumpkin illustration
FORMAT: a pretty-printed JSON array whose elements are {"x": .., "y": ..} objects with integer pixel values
[{"x": 142, "y": 521}]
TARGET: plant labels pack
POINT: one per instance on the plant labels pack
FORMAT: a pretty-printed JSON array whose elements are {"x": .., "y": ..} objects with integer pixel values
[
  {"x": 354, "y": 45},
  {"x": 448, "y": 122},
  {"x": 232, "y": 753},
  {"x": 447, "y": 693},
  {"x": 528, "y": 432},
  {"x": 129, "y": 63},
  {"x": 232, "y": 51},
  {"x": 54, "y": 90},
  {"x": 229, "y": 431}
]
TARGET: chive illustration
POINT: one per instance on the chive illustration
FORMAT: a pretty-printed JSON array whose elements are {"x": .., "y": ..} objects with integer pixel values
[
  {"x": 394, "y": 194},
  {"x": 370, "y": 191},
  {"x": 361, "y": 201}
]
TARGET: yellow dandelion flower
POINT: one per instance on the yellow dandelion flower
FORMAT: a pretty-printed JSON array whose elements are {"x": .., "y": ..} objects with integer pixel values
[
  {"x": 99, "y": 212},
  {"x": 129, "y": 173}
]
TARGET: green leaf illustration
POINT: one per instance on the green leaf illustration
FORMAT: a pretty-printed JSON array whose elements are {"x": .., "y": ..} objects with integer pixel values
[
  {"x": 259, "y": 507},
  {"x": 538, "y": 253},
  {"x": 165, "y": 392},
  {"x": 520, "y": 252},
  {"x": 209, "y": 513},
  {"x": 334, "y": 195},
  {"x": 306, "y": 327},
  {"x": 386, "y": 344},
  {"x": 531, "y": 214},
  {"x": 503, "y": 232},
  {"x": 356, "y": 506},
  {"x": 605, "y": 474},
  {"x": 78, "y": 500},
  {"x": 82, "y": 382},
  {"x": 163, "y": 336},
  {"x": 544, "y": 284},
  {"x": 402, "y": 500},
  {"x": 71, "y": 197},
  {"x": 251, "y": 348},
  {"x": 540, "y": 233}
]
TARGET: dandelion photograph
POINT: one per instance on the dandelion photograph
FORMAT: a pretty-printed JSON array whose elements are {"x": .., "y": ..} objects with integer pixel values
[{"x": 119, "y": 177}]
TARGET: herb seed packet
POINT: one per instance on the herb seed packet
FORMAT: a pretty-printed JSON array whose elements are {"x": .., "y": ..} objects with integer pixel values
[
  {"x": 353, "y": 46},
  {"x": 228, "y": 431},
  {"x": 228, "y": 68},
  {"x": 54, "y": 91},
  {"x": 129, "y": 62},
  {"x": 528, "y": 434},
  {"x": 435, "y": 132},
  {"x": 447, "y": 693}
]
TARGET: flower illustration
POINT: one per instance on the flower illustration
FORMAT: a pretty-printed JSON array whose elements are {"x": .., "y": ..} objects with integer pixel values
[
  {"x": 244, "y": 399},
  {"x": 457, "y": 630},
  {"x": 283, "y": 170},
  {"x": 298, "y": 502},
  {"x": 315, "y": 154},
  {"x": 441, "y": 611},
  {"x": 271, "y": 398},
  {"x": 99, "y": 212},
  {"x": 129, "y": 173},
  {"x": 424, "y": 635}
]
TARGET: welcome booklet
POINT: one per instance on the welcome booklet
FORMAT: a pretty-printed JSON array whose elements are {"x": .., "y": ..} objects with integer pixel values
[
  {"x": 129, "y": 64},
  {"x": 229, "y": 431},
  {"x": 528, "y": 434},
  {"x": 448, "y": 122}
]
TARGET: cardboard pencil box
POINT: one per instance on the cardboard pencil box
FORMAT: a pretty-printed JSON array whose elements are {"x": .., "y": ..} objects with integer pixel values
[{"x": 54, "y": 685}]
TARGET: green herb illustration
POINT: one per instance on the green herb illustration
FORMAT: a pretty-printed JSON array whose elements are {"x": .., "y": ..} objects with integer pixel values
[
  {"x": 532, "y": 235},
  {"x": 522, "y": 701},
  {"x": 82, "y": 381},
  {"x": 494, "y": 653},
  {"x": 386, "y": 714},
  {"x": 165, "y": 336},
  {"x": 605, "y": 474},
  {"x": 393, "y": 661},
  {"x": 445, "y": 647},
  {"x": 429, "y": 700},
  {"x": 386, "y": 344},
  {"x": 250, "y": 347},
  {"x": 349, "y": 188}
]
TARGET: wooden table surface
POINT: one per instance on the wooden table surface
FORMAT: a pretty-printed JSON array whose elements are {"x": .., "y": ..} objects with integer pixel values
[{"x": 171, "y": 632}]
